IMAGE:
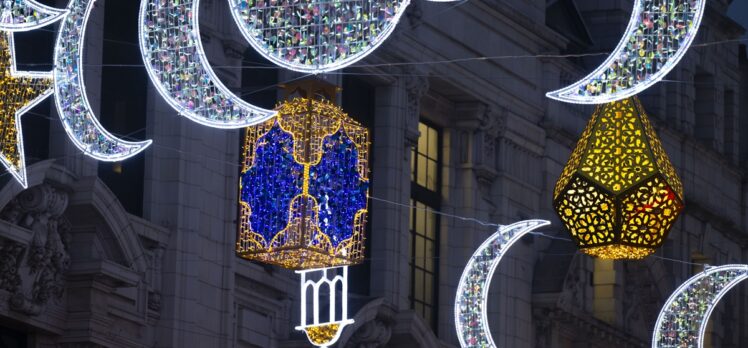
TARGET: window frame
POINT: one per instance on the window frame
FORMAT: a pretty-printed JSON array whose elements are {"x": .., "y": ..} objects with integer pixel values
[{"x": 429, "y": 199}]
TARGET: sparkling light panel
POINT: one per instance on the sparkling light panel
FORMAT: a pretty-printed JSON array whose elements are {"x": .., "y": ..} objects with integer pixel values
[
  {"x": 304, "y": 188},
  {"x": 78, "y": 119},
  {"x": 316, "y": 36},
  {"x": 324, "y": 334},
  {"x": 19, "y": 92},
  {"x": 25, "y": 15},
  {"x": 683, "y": 319},
  {"x": 175, "y": 60},
  {"x": 471, "y": 300},
  {"x": 658, "y": 35},
  {"x": 619, "y": 194}
]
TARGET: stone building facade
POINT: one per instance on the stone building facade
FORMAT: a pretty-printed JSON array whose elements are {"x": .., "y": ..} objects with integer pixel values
[{"x": 140, "y": 253}]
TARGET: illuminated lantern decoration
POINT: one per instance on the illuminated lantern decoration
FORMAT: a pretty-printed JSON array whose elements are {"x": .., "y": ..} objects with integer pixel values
[
  {"x": 304, "y": 187},
  {"x": 619, "y": 194}
]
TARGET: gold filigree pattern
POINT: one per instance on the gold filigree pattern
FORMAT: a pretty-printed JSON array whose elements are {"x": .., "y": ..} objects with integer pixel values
[
  {"x": 617, "y": 155},
  {"x": 321, "y": 334},
  {"x": 663, "y": 162},
  {"x": 619, "y": 195},
  {"x": 647, "y": 210},
  {"x": 576, "y": 157},
  {"x": 588, "y": 212}
]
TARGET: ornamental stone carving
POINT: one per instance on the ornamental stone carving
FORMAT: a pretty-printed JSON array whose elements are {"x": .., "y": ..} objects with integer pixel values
[
  {"x": 480, "y": 126},
  {"x": 416, "y": 86},
  {"x": 37, "y": 276}
]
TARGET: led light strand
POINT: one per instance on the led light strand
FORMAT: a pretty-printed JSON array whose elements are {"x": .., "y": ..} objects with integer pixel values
[
  {"x": 683, "y": 319},
  {"x": 73, "y": 107},
  {"x": 174, "y": 57},
  {"x": 658, "y": 36},
  {"x": 26, "y": 15},
  {"x": 471, "y": 321},
  {"x": 316, "y": 36}
]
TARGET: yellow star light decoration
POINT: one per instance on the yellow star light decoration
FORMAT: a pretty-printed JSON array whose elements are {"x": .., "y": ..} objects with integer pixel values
[{"x": 19, "y": 92}]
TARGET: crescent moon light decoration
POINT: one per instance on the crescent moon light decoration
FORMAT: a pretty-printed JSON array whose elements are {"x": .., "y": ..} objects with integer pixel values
[
  {"x": 471, "y": 319},
  {"x": 657, "y": 37},
  {"x": 75, "y": 112},
  {"x": 25, "y": 15},
  {"x": 176, "y": 63},
  {"x": 684, "y": 317},
  {"x": 316, "y": 36}
]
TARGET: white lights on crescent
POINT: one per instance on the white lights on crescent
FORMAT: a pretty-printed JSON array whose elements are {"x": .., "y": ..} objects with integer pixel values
[
  {"x": 658, "y": 36},
  {"x": 316, "y": 36},
  {"x": 26, "y": 15},
  {"x": 73, "y": 107},
  {"x": 683, "y": 319},
  {"x": 471, "y": 319},
  {"x": 174, "y": 57}
]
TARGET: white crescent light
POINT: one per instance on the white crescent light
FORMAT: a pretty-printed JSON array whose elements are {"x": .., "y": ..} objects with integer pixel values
[
  {"x": 684, "y": 317},
  {"x": 316, "y": 36},
  {"x": 658, "y": 35},
  {"x": 25, "y": 15},
  {"x": 176, "y": 63},
  {"x": 471, "y": 319},
  {"x": 75, "y": 112}
]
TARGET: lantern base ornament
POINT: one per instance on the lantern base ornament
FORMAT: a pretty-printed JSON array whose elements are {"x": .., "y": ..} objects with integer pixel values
[
  {"x": 619, "y": 195},
  {"x": 329, "y": 288},
  {"x": 615, "y": 252},
  {"x": 324, "y": 335}
]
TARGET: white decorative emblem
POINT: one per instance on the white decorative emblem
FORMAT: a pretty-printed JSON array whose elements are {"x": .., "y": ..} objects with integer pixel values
[{"x": 324, "y": 332}]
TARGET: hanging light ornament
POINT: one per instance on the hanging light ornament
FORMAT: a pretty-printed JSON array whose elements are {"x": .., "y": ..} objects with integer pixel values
[
  {"x": 304, "y": 187},
  {"x": 619, "y": 194},
  {"x": 317, "y": 36}
]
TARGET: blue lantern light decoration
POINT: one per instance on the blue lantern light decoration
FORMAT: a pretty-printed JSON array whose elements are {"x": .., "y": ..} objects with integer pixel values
[{"x": 304, "y": 188}]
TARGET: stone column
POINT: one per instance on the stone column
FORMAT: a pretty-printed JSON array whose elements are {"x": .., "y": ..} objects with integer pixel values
[
  {"x": 191, "y": 187},
  {"x": 396, "y": 129}
]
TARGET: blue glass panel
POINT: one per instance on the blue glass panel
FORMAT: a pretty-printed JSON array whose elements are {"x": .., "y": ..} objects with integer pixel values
[
  {"x": 336, "y": 184},
  {"x": 272, "y": 182}
]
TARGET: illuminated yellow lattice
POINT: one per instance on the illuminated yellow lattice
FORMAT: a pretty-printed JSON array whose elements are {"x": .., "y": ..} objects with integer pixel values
[
  {"x": 619, "y": 194},
  {"x": 18, "y": 92},
  {"x": 321, "y": 335},
  {"x": 306, "y": 173}
]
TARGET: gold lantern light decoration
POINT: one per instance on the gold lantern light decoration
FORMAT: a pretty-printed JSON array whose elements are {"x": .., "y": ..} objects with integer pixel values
[
  {"x": 304, "y": 184},
  {"x": 304, "y": 191},
  {"x": 619, "y": 195}
]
